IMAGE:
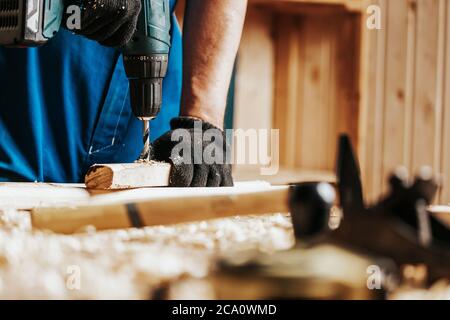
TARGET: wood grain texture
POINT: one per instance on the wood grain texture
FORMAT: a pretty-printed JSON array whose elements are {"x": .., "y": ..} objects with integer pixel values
[
  {"x": 287, "y": 87},
  {"x": 368, "y": 68},
  {"x": 397, "y": 107},
  {"x": 127, "y": 176},
  {"x": 445, "y": 156},
  {"x": 405, "y": 92},
  {"x": 255, "y": 73},
  {"x": 314, "y": 104},
  {"x": 213, "y": 203},
  {"x": 25, "y": 196},
  {"x": 425, "y": 104},
  {"x": 316, "y": 95},
  {"x": 394, "y": 104}
]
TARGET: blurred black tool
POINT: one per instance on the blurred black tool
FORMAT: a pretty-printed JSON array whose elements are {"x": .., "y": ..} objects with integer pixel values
[
  {"x": 329, "y": 263},
  {"x": 399, "y": 226}
]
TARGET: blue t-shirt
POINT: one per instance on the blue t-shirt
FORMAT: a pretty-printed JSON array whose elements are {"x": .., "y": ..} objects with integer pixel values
[{"x": 65, "y": 106}]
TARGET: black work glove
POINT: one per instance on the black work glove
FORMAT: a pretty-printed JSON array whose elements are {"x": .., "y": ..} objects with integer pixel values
[
  {"x": 197, "y": 154},
  {"x": 110, "y": 22}
]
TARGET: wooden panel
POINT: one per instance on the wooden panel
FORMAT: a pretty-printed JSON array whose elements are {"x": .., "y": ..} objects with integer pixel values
[
  {"x": 396, "y": 110},
  {"x": 287, "y": 87},
  {"x": 445, "y": 192},
  {"x": 425, "y": 106},
  {"x": 316, "y": 87},
  {"x": 346, "y": 97},
  {"x": 404, "y": 107},
  {"x": 313, "y": 123},
  {"x": 405, "y": 92},
  {"x": 366, "y": 130}
]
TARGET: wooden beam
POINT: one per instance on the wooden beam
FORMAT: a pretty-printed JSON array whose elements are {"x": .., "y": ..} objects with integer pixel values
[
  {"x": 204, "y": 204},
  {"x": 128, "y": 176},
  {"x": 25, "y": 196}
]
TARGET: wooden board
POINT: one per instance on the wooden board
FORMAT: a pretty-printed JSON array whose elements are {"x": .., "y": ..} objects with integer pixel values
[
  {"x": 396, "y": 94},
  {"x": 445, "y": 157},
  {"x": 427, "y": 105},
  {"x": 196, "y": 205},
  {"x": 25, "y": 196},
  {"x": 128, "y": 176}
]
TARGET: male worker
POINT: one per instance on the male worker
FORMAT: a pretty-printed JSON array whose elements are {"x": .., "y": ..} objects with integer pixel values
[{"x": 65, "y": 106}]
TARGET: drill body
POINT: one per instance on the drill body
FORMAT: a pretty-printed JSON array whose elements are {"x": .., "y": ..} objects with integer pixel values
[
  {"x": 146, "y": 58},
  {"x": 29, "y": 23}
]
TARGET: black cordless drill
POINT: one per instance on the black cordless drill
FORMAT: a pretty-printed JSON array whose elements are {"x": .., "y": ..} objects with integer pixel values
[{"x": 28, "y": 23}]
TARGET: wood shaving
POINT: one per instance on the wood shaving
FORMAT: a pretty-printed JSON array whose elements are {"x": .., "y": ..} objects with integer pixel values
[
  {"x": 131, "y": 264},
  {"x": 123, "y": 264}
]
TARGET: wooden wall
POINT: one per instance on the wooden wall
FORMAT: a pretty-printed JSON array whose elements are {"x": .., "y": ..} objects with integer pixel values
[
  {"x": 298, "y": 72},
  {"x": 405, "y": 107},
  {"x": 313, "y": 69}
]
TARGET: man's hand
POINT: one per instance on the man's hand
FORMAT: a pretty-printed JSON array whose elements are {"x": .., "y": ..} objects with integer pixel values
[
  {"x": 212, "y": 32},
  {"x": 110, "y": 22},
  {"x": 197, "y": 151}
]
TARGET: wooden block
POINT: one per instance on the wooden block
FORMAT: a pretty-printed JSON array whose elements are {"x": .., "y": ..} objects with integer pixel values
[{"x": 127, "y": 176}]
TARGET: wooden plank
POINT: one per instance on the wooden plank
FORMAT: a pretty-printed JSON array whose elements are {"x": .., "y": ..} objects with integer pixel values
[
  {"x": 410, "y": 82},
  {"x": 395, "y": 109},
  {"x": 287, "y": 87},
  {"x": 127, "y": 176},
  {"x": 440, "y": 84},
  {"x": 445, "y": 157},
  {"x": 344, "y": 91},
  {"x": 368, "y": 74},
  {"x": 377, "y": 178},
  {"x": 425, "y": 106},
  {"x": 373, "y": 75},
  {"x": 197, "y": 205},
  {"x": 312, "y": 121},
  {"x": 25, "y": 196}
]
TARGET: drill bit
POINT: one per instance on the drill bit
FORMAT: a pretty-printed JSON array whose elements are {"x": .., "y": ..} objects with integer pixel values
[{"x": 146, "y": 151}]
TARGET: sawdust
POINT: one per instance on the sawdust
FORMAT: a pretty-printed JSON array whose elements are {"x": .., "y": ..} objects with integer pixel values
[
  {"x": 131, "y": 264},
  {"x": 123, "y": 264}
]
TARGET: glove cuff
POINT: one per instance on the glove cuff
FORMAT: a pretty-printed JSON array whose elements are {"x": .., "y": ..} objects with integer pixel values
[{"x": 189, "y": 123}]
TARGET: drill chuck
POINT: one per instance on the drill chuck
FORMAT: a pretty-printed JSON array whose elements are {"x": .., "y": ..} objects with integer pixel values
[
  {"x": 146, "y": 58},
  {"x": 146, "y": 74}
]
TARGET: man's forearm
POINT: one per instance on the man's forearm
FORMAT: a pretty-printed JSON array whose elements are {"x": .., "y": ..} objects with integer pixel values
[{"x": 212, "y": 32}]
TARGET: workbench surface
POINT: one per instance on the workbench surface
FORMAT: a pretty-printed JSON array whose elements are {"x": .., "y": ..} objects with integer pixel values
[{"x": 124, "y": 264}]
